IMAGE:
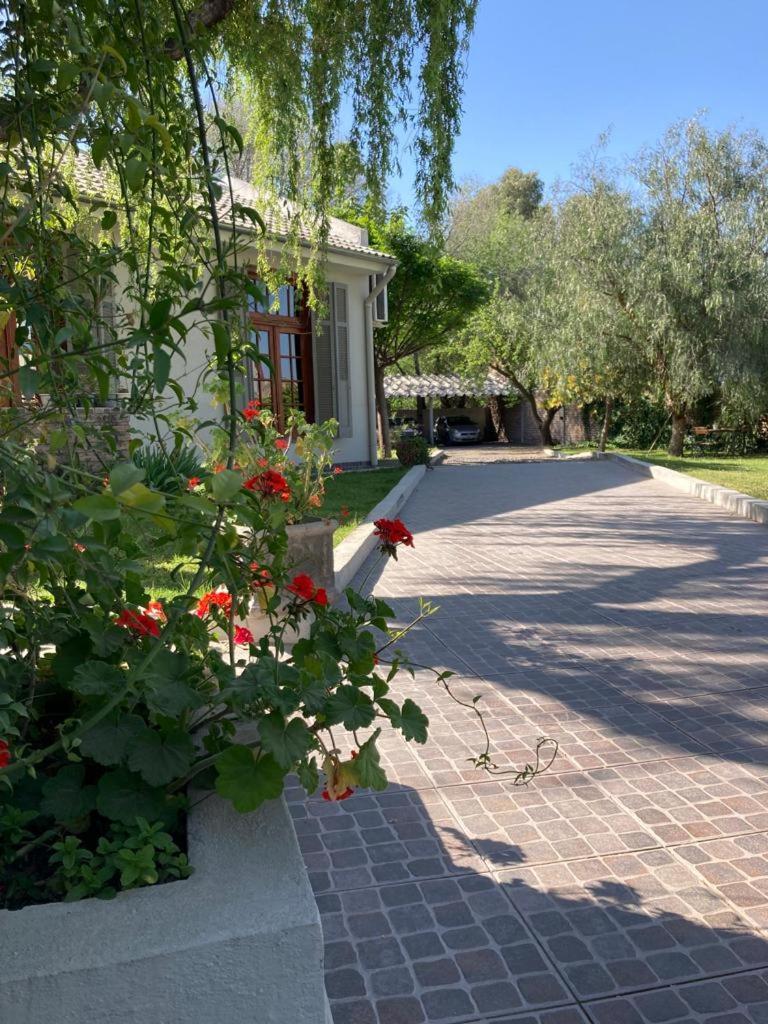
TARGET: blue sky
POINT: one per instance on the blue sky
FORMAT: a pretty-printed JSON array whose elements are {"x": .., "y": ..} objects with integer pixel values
[{"x": 545, "y": 79}]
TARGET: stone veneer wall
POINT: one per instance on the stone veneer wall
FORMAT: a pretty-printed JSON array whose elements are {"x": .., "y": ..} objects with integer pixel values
[{"x": 106, "y": 429}]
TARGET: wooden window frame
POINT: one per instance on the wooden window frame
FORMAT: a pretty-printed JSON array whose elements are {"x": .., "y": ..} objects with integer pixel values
[{"x": 275, "y": 324}]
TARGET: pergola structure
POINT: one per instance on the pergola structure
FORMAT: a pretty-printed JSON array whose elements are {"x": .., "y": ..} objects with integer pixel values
[{"x": 443, "y": 385}]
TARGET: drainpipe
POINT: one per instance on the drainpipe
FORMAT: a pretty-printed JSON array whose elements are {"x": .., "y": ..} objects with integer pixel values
[{"x": 369, "y": 362}]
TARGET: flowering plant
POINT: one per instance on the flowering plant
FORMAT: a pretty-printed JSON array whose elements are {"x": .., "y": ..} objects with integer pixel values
[{"x": 292, "y": 464}]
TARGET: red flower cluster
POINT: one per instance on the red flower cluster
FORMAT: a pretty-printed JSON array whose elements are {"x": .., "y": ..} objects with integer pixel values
[
  {"x": 337, "y": 470},
  {"x": 269, "y": 484},
  {"x": 252, "y": 410},
  {"x": 243, "y": 636},
  {"x": 304, "y": 588},
  {"x": 193, "y": 482},
  {"x": 139, "y": 623},
  {"x": 5, "y": 754},
  {"x": 392, "y": 532},
  {"x": 213, "y": 599},
  {"x": 281, "y": 444},
  {"x": 262, "y": 577}
]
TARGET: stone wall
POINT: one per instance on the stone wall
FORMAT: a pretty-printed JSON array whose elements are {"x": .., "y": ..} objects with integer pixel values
[{"x": 100, "y": 435}]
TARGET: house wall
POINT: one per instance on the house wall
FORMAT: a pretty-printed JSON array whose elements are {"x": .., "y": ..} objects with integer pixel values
[{"x": 189, "y": 367}]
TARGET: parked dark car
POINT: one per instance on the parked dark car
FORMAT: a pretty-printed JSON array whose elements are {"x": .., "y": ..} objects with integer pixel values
[{"x": 457, "y": 430}]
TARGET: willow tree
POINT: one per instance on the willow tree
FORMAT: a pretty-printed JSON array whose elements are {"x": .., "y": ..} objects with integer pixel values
[
  {"x": 704, "y": 308},
  {"x": 114, "y": 178}
]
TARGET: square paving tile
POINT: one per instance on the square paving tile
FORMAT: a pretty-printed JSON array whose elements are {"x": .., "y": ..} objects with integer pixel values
[
  {"x": 562, "y": 1015},
  {"x": 689, "y": 799},
  {"x": 738, "y": 869},
  {"x": 555, "y": 818},
  {"x": 738, "y": 999},
  {"x": 724, "y": 723},
  {"x": 632, "y": 921},
  {"x": 376, "y": 838},
  {"x": 448, "y": 949}
]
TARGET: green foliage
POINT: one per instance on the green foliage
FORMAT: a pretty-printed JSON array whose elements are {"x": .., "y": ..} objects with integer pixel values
[
  {"x": 412, "y": 451},
  {"x": 168, "y": 470}
]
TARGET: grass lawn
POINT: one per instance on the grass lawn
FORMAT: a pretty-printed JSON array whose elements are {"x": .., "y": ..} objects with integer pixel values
[
  {"x": 358, "y": 493},
  {"x": 748, "y": 474}
]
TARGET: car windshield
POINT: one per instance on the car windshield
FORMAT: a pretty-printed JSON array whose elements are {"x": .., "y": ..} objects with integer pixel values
[{"x": 460, "y": 421}]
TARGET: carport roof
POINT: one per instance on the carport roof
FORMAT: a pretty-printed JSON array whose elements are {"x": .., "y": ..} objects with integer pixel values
[{"x": 443, "y": 385}]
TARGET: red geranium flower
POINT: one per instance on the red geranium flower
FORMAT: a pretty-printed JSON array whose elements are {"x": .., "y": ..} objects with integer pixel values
[
  {"x": 155, "y": 610},
  {"x": 79, "y": 548},
  {"x": 5, "y": 754},
  {"x": 214, "y": 599},
  {"x": 302, "y": 586},
  {"x": 243, "y": 635},
  {"x": 193, "y": 482},
  {"x": 269, "y": 484},
  {"x": 342, "y": 796},
  {"x": 252, "y": 410},
  {"x": 281, "y": 444},
  {"x": 138, "y": 622},
  {"x": 392, "y": 532},
  {"x": 337, "y": 470}
]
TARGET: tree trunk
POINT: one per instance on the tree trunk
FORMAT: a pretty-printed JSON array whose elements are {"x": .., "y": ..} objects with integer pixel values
[
  {"x": 382, "y": 413},
  {"x": 498, "y": 407},
  {"x": 679, "y": 428},
  {"x": 603, "y": 439},
  {"x": 545, "y": 426}
]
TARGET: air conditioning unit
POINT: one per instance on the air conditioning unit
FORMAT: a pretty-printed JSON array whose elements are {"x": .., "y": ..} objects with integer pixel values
[{"x": 380, "y": 303}]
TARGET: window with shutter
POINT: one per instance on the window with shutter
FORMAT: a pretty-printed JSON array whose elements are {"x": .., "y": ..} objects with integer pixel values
[{"x": 340, "y": 331}]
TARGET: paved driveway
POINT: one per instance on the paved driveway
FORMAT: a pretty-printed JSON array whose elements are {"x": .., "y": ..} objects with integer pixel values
[{"x": 630, "y": 883}]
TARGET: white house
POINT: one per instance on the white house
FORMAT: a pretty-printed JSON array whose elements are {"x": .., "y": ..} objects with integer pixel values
[{"x": 322, "y": 366}]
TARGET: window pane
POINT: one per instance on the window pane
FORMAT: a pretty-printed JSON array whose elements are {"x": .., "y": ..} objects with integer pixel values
[
  {"x": 256, "y": 305},
  {"x": 286, "y": 369},
  {"x": 286, "y": 298},
  {"x": 286, "y": 348}
]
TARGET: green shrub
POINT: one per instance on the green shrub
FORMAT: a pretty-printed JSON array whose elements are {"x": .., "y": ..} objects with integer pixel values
[
  {"x": 168, "y": 471},
  {"x": 412, "y": 451}
]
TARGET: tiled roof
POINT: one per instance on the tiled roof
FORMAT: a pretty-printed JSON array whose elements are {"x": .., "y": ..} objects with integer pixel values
[
  {"x": 342, "y": 236},
  {"x": 444, "y": 385}
]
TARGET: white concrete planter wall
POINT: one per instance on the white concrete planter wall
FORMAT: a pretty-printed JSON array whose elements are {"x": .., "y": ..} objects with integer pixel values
[{"x": 239, "y": 941}]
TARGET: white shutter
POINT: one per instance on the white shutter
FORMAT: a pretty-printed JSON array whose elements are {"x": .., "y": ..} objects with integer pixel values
[
  {"x": 340, "y": 324},
  {"x": 324, "y": 368}
]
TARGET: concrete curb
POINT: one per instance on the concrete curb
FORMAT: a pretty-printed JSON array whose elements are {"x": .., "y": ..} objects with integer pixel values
[
  {"x": 350, "y": 555},
  {"x": 230, "y": 943},
  {"x": 735, "y": 502}
]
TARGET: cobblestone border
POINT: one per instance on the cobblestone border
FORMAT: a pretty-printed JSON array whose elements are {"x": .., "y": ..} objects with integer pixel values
[{"x": 735, "y": 502}]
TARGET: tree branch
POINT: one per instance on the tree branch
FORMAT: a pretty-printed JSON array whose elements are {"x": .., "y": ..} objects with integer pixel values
[{"x": 206, "y": 15}]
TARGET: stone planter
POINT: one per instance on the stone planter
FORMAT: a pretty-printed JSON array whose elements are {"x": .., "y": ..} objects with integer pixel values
[
  {"x": 240, "y": 940},
  {"x": 310, "y": 551}
]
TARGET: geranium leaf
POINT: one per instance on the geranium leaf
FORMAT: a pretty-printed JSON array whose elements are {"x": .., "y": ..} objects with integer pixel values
[
  {"x": 108, "y": 741},
  {"x": 160, "y": 757},
  {"x": 123, "y": 796},
  {"x": 288, "y": 742},
  {"x": 65, "y": 797},
  {"x": 350, "y": 706},
  {"x": 366, "y": 765},
  {"x": 248, "y": 779},
  {"x": 409, "y": 719},
  {"x": 96, "y": 679}
]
